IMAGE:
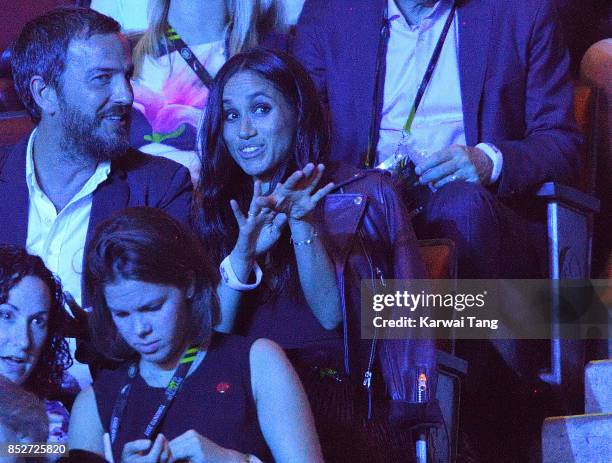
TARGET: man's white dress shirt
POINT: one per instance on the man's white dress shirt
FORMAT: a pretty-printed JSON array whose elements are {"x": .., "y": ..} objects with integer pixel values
[
  {"x": 59, "y": 238},
  {"x": 438, "y": 122}
]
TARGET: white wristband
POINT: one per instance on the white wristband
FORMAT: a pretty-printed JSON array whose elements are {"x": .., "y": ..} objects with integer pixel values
[
  {"x": 248, "y": 458},
  {"x": 230, "y": 279}
]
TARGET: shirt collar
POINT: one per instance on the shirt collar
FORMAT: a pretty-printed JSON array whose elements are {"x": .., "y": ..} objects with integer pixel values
[
  {"x": 101, "y": 173},
  {"x": 395, "y": 14},
  {"x": 30, "y": 176}
]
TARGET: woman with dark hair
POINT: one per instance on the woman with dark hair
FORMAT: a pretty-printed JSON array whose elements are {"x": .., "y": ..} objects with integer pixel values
[
  {"x": 33, "y": 352},
  {"x": 263, "y": 140},
  {"x": 183, "y": 393},
  {"x": 280, "y": 154}
]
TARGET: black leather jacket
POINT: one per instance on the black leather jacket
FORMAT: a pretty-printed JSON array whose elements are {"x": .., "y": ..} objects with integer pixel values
[{"x": 368, "y": 236}]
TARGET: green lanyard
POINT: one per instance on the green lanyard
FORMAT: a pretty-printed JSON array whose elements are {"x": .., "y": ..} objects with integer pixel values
[
  {"x": 171, "y": 390},
  {"x": 382, "y": 45}
]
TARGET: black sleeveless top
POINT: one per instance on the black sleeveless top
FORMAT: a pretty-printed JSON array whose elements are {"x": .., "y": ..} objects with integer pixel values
[
  {"x": 216, "y": 400},
  {"x": 285, "y": 319}
]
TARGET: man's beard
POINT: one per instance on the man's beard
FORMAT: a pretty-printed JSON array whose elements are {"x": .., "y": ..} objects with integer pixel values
[{"x": 83, "y": 135}]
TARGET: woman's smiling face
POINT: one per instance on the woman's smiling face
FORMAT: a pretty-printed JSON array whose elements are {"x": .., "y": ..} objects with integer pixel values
[{"x": 259, "y": 124}]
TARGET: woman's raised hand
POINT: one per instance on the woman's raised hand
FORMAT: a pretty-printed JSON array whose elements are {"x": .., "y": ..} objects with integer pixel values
[
  {"x": 260, "y": 229},
  {"x": 297, "y": 197}
]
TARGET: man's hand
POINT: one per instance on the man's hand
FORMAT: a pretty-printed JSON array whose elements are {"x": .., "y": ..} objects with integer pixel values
[
  {"x": 456, "y": 162},
  {"x": 75, "y": 326}
]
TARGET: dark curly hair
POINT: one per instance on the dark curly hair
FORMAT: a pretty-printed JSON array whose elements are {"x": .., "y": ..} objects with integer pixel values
[{"x": 46, "y": 377}]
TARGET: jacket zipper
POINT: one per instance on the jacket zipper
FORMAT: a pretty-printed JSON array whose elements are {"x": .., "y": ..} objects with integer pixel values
[{"x": 375, "y": 273}]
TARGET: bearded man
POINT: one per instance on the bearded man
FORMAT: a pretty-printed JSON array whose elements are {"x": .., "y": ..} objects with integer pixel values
[{"x": 72, "y": 69}]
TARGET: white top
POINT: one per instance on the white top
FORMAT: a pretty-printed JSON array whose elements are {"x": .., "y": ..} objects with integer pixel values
[
  {"x": 59, "y": 239},
  {"x": 293, "y": 8},
  {"x": 131, "y": 14},
  {"x": 438, "y": 122}
]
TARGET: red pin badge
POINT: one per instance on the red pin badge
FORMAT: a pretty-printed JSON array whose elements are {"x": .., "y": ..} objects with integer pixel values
[{"x": 223, "y": 387}]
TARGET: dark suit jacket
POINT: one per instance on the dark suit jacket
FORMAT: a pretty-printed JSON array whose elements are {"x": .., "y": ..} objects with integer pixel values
[
  {"x": 515, "y": 86},
  {"x": 136, "y": 179}
]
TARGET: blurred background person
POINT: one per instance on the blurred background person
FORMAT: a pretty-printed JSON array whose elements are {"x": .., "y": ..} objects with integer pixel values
[
  {"x": 22, "y": 420},
  {"x": 132, "y": 14}
]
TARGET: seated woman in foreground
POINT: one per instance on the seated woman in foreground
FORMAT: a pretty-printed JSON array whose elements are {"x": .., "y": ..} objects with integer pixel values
[
  {"x": 33, "y": 352},
  {"x": 292, "y": 256},
  {"x": 228, "y": 399}
]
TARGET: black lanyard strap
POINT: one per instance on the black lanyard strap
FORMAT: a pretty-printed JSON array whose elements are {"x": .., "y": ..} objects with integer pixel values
[
  {"x": 430, "y": 69},
  {"x": 383, "y": 41},
  {"x": 189, "y": 57},
  {"x": 379, "y": 81},
  {"x": 171, "y": 390}
]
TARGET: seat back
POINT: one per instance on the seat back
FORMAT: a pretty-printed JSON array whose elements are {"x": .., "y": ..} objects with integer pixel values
[
  {"x": 14, "y": 126},
  {"x": 585, "y": 112},
  {"x": 20, "y": 13},
  {"x": 439, "y": 257}
]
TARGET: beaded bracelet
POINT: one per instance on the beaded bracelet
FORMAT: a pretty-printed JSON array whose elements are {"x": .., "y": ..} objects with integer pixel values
[{"x": 304, "y": 242}]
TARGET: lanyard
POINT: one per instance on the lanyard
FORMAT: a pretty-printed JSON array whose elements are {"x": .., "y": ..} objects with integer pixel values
[
  {"x": 430, "y": 69},
  {"x": 383, "y": 42},
  {"x": 189, "y": 57},
  {"x": 171, "y": 390},
  {"x": 377, "y": 106}
]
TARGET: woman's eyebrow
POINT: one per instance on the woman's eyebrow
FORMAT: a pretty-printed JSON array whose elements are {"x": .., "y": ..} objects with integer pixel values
[
  {"x": 14, "y": 307},
  {"x": 259, "y": 93},
  {"x": 250, "y": 96},
  {"x": 39, "y": 313},
  {"x": 17, "y": 309},
  {"x": 147, "y": 305}
]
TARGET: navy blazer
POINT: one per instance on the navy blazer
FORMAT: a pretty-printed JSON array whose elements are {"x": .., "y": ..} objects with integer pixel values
[
  {"x": 514, "y": 74},
  {"x": 136, "y": 179}
]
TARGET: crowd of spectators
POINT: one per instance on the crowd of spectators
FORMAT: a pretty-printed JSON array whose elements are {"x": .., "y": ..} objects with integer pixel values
[{"x": 184, "y": 233}]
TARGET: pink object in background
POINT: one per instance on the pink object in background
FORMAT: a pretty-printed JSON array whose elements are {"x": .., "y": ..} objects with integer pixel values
[{"x": 180, "y": 101}]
